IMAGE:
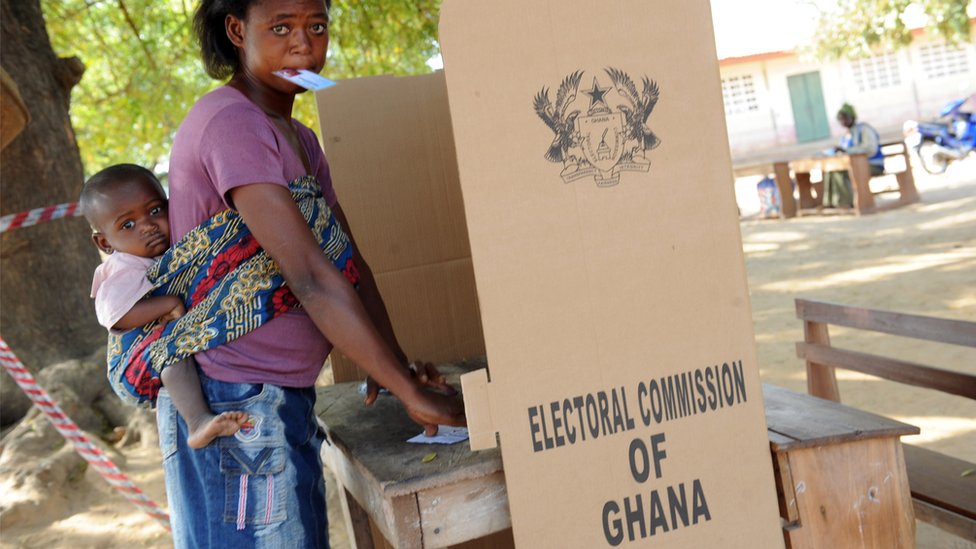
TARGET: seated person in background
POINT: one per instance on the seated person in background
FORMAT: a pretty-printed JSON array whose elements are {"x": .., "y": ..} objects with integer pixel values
[{"x": 860, "y": 138}]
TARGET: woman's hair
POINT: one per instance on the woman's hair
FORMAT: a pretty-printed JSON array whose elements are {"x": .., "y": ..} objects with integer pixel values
[{"x": 220, "y": 57}]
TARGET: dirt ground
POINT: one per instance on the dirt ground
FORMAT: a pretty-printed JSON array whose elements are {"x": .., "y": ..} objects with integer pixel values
[{"x": 918, "y": 259}]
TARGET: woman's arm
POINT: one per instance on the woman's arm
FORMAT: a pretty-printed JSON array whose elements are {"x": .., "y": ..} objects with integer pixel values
[
  {"x": 369, "y": 294},
  {"x": 331, "y": 302},
  {"x": 424, "y": 372}
]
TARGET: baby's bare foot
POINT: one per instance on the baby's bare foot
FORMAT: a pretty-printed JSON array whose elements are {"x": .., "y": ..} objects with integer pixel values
[{"x": 204, "y": 429}]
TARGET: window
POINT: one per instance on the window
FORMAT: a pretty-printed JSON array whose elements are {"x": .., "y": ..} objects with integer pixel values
[
  {"x": 739, "y": 94},
  {"x": 875, "y": 73},
  {"x": 940, "y": 60}
]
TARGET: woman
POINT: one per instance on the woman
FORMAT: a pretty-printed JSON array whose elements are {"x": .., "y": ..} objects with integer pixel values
[{"x": 239, "y": 147}]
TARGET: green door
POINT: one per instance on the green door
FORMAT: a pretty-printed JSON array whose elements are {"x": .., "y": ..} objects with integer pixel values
[{"x": 809, "y": 114}]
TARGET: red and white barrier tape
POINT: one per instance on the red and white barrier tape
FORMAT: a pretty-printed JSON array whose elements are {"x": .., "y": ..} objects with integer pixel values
[
  {"x": 38, "y": 215},
  {"x": 83, "y": 445}
]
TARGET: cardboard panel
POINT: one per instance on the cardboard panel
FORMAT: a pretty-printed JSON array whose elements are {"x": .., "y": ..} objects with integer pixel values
[
  {"x": 391, "y": 151},
  {"x": 443, "y": 301},
  {"x": 594, "y": 168}
]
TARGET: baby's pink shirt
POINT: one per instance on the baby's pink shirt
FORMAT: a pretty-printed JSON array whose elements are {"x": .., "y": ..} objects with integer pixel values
[{"x": 119, "y": 283}]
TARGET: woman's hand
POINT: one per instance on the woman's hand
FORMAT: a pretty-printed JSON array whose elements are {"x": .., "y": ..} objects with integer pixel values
[
  {"x": 431, "y": 409},
  {"x": 428, "y": 376},
  {"x": 424, "y": 372}
]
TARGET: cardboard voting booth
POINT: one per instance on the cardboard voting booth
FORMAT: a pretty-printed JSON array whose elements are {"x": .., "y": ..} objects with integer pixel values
[
  {"x": 392, "y": 160},
  {"x": 595, "y": 173},
  {"x": 604, "y": 276}
]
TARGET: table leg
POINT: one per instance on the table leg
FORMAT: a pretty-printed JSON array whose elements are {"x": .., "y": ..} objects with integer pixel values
[
  {"x": 407, "y": 527},
  {"x": 906, "y": 183},
  {"x": 781, "y": 170},
  {"x": 357, "y": 521},
  {"x": 803, "y": 186},
  {"x": 860, "y": 176}
]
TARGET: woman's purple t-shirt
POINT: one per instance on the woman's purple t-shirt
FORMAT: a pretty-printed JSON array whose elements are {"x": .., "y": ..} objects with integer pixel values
[{"x": 226, "y": 141}]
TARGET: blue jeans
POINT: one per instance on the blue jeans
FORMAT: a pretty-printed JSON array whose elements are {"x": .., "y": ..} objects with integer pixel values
[{"x": 262, "y": 487}]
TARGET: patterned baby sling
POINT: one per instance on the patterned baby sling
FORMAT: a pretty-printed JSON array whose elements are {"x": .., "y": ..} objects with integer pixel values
[{"x": 229, "y": 285}]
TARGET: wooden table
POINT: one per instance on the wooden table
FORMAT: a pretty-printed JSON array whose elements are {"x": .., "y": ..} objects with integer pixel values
[
  {"x": 856, "y": 165},
  {"x": 860, "y": 171},
  {"x": 840, "y": 475},
  {"x": 458, "y": 496}
]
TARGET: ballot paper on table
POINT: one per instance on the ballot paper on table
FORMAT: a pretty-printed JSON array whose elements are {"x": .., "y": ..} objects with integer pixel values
[
  {"x": 445, "y": 435},
  {"x": 305, "y": 78}
]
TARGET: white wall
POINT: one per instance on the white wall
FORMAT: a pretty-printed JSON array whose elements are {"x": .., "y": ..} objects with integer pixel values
[
  {"x": 753, "y": 129},
  {"x": 884, "y": 108},
  {"x": 917, "y": 95},
  {"x": 933, "y": 94}
]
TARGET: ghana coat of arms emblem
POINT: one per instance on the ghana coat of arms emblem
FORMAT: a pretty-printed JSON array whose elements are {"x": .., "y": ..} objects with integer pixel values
[{"x": 604, "y": 133}]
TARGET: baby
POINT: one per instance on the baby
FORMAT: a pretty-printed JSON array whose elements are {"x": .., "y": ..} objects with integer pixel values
[{"x": 126, "y": 208}]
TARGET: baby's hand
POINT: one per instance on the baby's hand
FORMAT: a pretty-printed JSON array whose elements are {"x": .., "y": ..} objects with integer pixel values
[{"x": 177, "y": 311}]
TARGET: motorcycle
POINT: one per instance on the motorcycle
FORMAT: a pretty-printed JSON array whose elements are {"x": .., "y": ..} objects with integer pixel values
[{"x": 949, "y": 138}]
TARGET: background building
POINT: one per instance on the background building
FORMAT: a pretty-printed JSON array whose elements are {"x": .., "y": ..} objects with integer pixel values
[{"x": 780, "y": 98}]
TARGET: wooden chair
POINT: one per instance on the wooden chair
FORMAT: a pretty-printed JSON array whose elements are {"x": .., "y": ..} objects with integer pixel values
[
  {"x": 943, "y": 487},
  {"x": 897, "y": 163}
]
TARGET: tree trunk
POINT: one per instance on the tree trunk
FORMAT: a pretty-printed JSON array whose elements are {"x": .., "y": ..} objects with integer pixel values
[{"x": 45, "y": 270}]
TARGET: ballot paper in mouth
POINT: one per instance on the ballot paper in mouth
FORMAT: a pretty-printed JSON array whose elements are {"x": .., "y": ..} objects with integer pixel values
[
  {"x": 445, "y": 435},
  {"x": 305, "y": 78}
]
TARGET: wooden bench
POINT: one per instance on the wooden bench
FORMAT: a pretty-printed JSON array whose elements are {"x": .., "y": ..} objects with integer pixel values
[
  {"x": 943, "y": 488},
  {"x": 898, "y": 163},
  {"x": 829, "y": 459}
]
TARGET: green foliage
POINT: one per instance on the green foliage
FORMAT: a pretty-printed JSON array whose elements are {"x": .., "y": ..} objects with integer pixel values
[
  {"x": 860, "y": 28},
  {"x": 140, "y": 78},
  {"x": 143, "y": 70},
  {"x": 382, "y": 37}
]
